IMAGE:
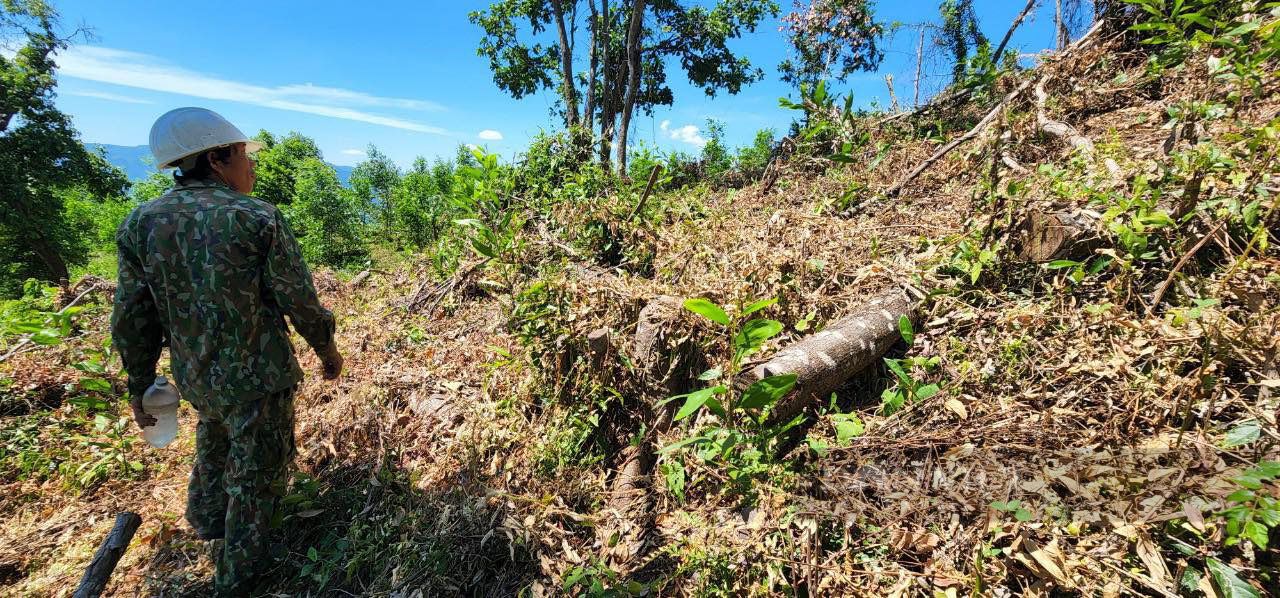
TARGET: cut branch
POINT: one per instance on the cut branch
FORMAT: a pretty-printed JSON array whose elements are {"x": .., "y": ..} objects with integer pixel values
[{"x": 104, "y": 561}]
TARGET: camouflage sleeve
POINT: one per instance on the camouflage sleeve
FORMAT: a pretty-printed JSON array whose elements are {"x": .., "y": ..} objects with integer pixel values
[
  {"x": 136, "y": 330},
  {"x": 289, "y": 282}
]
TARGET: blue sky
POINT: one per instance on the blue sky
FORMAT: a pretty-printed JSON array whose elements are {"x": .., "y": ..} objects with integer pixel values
[{"x": 404, "y": 75}]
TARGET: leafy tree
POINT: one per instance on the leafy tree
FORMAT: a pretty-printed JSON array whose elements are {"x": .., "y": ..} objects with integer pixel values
[
  {"x": 628, "y": 49},
  {"x": 959, "y": 33},
  {"x": 422, "y": 204},
  {"x": 831, "y": 39},
  {"x": 373, "y": 185},
  {"x": 41, "y": 156},
  {"x": 753, "y": 159},
  {"x": 326, "y": 221},
  {"x": 278, "y": 163},
  {"x": 715, "y": 155}
]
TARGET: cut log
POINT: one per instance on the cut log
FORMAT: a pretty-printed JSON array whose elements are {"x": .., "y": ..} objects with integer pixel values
[
  {"x": 824, "y": 361},
  {"x": 108, "y": 555},
  {"x": 1062, "y": 235}
]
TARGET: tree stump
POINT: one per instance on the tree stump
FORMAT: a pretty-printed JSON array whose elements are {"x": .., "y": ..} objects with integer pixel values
[{"x": 1061, "y": 235}]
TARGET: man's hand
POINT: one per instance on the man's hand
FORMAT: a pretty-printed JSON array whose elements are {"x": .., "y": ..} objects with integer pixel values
[
  {"x": 332, "y": 364},
  {"x": 139, "y": 415}
]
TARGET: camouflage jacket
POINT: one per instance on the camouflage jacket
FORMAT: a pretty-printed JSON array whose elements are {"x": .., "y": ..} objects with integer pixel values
[{"x": 214, "y": 273}]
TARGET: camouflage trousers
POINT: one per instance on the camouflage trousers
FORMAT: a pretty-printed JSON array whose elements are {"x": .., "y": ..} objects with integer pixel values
[{"x": 243, "y": 453}]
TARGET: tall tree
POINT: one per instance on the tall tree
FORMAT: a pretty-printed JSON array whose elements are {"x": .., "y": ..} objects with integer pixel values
[
  {"x": 327, "y": 221},
  {"x": 628, "y": 73},
  {"x": 373, "y": 185},
  {"x": 40, "y": 152},
  {"x": 831, "y": 39},
  {"x": 278, "y": 164}
]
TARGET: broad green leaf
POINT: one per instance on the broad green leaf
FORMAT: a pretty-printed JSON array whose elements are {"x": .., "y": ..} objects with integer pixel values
[
  {"x": 710, "y": 374},
  {"x": 848, "y": 426},
  {"x": 469, "y": 222},
  {"x": 47, "y": 337},
  {"x": 926, "y": 391},
  {"x": 1022, "y": 515},
  {"x": 897, "y": 370},
  {"x": 904, "y": 328},
  {"x": 707, "y": 310},
  {"x": 696, "y": 399},
  {"x": 1257, "y": 533},
  {"x": 757, "y": 306},
  {"x": 754, "y": 333},
  {"x": 483, "y": 249},
  {"x": 767, "y": 391},
  {"x": 683, "y": 443},
  {"x": 1059, "y": 264},
  {"x": 95, "y": 384},
  {"x": 1247, "y": 432},
  {"x": 1229, "y": 582}
]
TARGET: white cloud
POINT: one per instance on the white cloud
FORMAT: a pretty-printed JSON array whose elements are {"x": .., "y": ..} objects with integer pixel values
[
  {"x": 102, "y": 95},
  {"x": 664, "y": 125},
  {"x": 490, "y": 135},
  {"x": 352, "y": 152},
  {"x": 687, "y": 134},
  {"x": 132, "y": 69}
]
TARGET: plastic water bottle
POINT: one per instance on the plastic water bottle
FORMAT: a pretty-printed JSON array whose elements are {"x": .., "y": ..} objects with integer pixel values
[{"x": 161, "y": 402}]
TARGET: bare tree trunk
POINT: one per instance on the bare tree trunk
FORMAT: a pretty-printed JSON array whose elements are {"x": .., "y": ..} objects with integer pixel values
[
  {"x": 893, "y": 97},
  {"x": 606, "y": 83},
  {"x": 53, "y": 262},
  {"x": 566, "y": 67},
  {"x": 1014, "y": 27},
  {"x": 589, "y": 114},
  {"x": 633, "y": 83},
  {"x": 915, "y": 102},
  {"x": 1058, "y": 26}
]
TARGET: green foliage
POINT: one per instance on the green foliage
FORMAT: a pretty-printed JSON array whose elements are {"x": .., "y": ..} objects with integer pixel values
[
  {"x": 744, "y": 439},
  {"x": 41, "y": 157},
  {"x": 1013, "y": 507},
  {"x": 753, "y": 159},
  {"x": 1254, "y": 511},
  {"x": 373, "y": 189},
  {"x": 908, "y": 388},
  {"x": 279, "y": 161},
  {"x": 325, "y": 219},
  {"x": 959, "y": 33},
  {"x": 597, "y": 580},
  {"x": 716, "y": 160},
  {"x": 422, "y": 209},
  {"x": 831, "y": 39}
]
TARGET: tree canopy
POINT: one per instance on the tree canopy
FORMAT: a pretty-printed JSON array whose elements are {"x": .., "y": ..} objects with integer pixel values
[{"x": 41, "y": 155}]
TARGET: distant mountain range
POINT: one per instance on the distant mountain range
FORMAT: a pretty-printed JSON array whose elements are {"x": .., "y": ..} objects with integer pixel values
[{"x": 137, "y": 163}]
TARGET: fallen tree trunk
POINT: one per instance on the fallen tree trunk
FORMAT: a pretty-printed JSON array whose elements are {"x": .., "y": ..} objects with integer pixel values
[
  {"x": 108, "y": 555},
  {"x": 1064, "y": 235},
  {"x": 824, "y": 361}
]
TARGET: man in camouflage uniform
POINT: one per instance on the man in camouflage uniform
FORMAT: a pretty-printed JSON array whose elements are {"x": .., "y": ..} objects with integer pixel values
[{"x": 214, "y": 272}]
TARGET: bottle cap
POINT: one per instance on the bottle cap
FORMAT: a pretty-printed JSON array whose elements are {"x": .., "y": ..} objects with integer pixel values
[{"x": 161, "y": 381}]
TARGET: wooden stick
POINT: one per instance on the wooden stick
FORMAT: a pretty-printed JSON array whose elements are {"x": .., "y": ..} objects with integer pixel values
[
  {"x": 108, "y": 555},
  {"x": 653, "y": 178},
  {"x": 1164, "y": 286}
]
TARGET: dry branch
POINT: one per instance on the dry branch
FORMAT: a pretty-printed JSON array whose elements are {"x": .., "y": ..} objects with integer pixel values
[
  {"x": 824, "y": 361},
  {"x": 958, "y": 141},
  {"x": 109, "y": 553}
]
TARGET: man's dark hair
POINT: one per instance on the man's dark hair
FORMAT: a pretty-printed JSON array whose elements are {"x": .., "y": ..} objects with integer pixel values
[{"x": 203, "y": 168}]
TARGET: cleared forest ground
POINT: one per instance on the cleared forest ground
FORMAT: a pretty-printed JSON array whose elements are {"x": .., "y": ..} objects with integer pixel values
[{"x": 1087, "y": 433}]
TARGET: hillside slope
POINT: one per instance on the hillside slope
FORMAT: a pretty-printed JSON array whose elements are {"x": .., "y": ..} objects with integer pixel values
[{"x": 1085, "y": 417}]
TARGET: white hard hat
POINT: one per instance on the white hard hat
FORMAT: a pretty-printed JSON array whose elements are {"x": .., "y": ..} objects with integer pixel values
[{"x": 184, "y": 132}]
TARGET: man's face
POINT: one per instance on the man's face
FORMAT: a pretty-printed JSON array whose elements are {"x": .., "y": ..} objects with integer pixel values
[{"x": 239, "y": 171}]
